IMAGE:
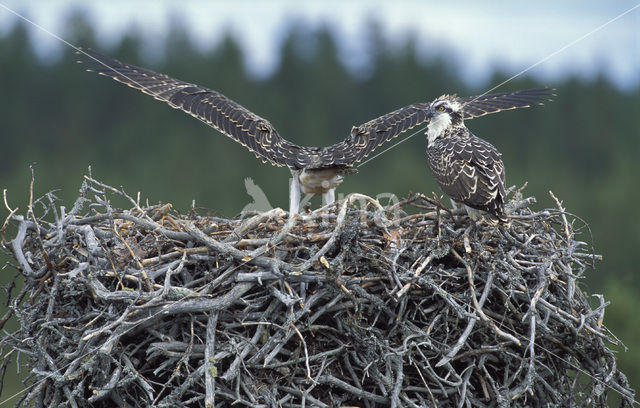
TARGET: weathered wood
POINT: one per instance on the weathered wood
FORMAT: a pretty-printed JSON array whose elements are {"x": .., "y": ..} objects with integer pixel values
[{"x": 353, "y": 304}]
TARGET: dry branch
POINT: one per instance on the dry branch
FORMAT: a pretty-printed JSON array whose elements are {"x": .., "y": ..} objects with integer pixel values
[{"x": 355, "y": 305}]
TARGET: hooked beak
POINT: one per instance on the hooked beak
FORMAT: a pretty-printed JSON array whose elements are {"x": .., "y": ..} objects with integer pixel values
[{"x": 429, "y": 116}]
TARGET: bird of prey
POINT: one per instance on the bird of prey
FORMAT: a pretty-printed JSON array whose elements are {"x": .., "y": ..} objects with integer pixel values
[
  {"x": 315, "y": 170},
  {"x": 467, "y": 168}
]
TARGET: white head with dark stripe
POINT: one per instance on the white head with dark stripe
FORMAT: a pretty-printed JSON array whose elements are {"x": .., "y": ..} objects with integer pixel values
[{"x": 445, "y": 114}]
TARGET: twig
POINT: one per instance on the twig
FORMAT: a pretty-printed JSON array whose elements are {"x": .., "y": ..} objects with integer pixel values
[
  {"x": 211, "y": 371},
  {"x": 146, "y": 307},
  {"x": 477, "y": 306}
]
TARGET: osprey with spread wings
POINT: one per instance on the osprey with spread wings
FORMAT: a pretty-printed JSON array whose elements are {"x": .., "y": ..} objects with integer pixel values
[{"x": 315, "y": 170}]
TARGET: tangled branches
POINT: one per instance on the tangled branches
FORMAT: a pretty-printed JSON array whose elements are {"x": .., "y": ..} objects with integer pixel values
[{"x": 360, "y": 305}]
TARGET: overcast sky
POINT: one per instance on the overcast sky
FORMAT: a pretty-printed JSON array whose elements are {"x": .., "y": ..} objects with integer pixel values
[{"x": 480, "y": 34}]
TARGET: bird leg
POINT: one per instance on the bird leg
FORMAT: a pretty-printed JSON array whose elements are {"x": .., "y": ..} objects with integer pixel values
[
  {"x": 329, "y": 197},
  {"x": 294, "y": 194},
  {"x": 475, "y": 215},
  {"x": 458, "y": 216}
]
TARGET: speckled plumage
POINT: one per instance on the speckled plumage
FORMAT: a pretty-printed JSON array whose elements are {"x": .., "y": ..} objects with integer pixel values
[
  {"x": 253, "y": 131},
  {"x": 470, "y": 171},
  {"x": 467, "y": 168}
]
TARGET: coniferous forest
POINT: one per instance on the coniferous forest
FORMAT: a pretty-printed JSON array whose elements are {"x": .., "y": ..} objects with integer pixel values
[{"x": 583, "y": 146}]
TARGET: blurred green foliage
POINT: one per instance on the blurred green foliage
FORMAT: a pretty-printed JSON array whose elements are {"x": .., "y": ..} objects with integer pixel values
[{"x": 584, "y": 146}]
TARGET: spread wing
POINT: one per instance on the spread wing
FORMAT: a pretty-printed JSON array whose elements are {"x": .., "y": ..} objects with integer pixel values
[
  {"x": 367, "y": 137},
  {"x": 251, "y": 130},
  {"x": 211, "y": 107},
  {"x": 259, "y": 135},
  {"x": 470, "y": 171},
  {"x": 480, "y": 105}
]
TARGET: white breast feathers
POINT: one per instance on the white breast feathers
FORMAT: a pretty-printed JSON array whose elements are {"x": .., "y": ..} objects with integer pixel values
[{"x": 436, "y": 126}]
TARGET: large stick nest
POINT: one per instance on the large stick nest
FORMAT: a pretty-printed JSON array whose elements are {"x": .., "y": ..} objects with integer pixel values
[{"x": 354, "y": 304}]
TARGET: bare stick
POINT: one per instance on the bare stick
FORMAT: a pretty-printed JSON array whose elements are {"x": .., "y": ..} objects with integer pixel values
[
  {"x": 366, "y": 305},
  {"x": 210, "y": 372}
]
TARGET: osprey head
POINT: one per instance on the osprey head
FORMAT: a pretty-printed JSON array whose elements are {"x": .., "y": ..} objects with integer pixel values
[{"x": 444, "y": 114}]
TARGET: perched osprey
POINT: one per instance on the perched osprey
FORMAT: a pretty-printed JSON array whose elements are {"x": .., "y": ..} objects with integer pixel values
[
  {"x": 315, "y": 170},
  {"x": 469, "y": 169}
]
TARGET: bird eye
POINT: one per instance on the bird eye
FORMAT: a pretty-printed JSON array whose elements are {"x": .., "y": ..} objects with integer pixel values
[{"x": 441, "y": 108}]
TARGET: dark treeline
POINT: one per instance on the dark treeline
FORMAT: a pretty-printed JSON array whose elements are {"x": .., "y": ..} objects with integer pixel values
[{"x": 583, "y": 146}]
